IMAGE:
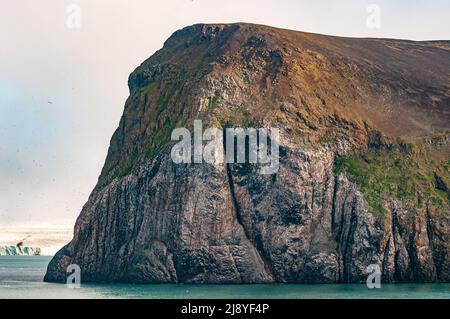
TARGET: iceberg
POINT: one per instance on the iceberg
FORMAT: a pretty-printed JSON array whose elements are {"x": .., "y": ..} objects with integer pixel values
[{"x": 19, "y": 251}]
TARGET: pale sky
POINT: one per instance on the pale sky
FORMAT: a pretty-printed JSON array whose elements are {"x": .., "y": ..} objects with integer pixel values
[{"x": 62, "y": 89}]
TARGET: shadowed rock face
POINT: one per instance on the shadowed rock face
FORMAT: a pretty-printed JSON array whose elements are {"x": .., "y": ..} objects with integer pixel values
[{"x": 149, "y": 220}]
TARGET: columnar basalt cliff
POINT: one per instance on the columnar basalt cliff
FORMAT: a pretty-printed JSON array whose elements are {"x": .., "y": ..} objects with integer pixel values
[{"x": 363, "y": 176}]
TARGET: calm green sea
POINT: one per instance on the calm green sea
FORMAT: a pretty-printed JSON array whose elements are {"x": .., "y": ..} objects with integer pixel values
[{"x": 21, "y": 277}]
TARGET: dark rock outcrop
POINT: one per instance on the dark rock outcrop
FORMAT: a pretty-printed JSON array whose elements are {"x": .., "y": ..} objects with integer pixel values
[{"x": 150, "y": 220}]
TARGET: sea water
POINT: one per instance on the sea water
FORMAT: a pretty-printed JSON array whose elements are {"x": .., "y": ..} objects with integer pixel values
[{"x": 21, "y": 277}]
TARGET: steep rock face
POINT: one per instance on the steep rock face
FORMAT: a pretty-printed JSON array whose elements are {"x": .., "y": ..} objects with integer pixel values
[{"x": 150, "y": 220}]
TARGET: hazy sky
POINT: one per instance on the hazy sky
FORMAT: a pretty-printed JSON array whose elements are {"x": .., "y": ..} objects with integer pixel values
[{"x": 62, "y": 89}]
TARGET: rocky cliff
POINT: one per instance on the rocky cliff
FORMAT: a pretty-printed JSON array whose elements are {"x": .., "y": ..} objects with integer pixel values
[{"x": 363, "y": 176}]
